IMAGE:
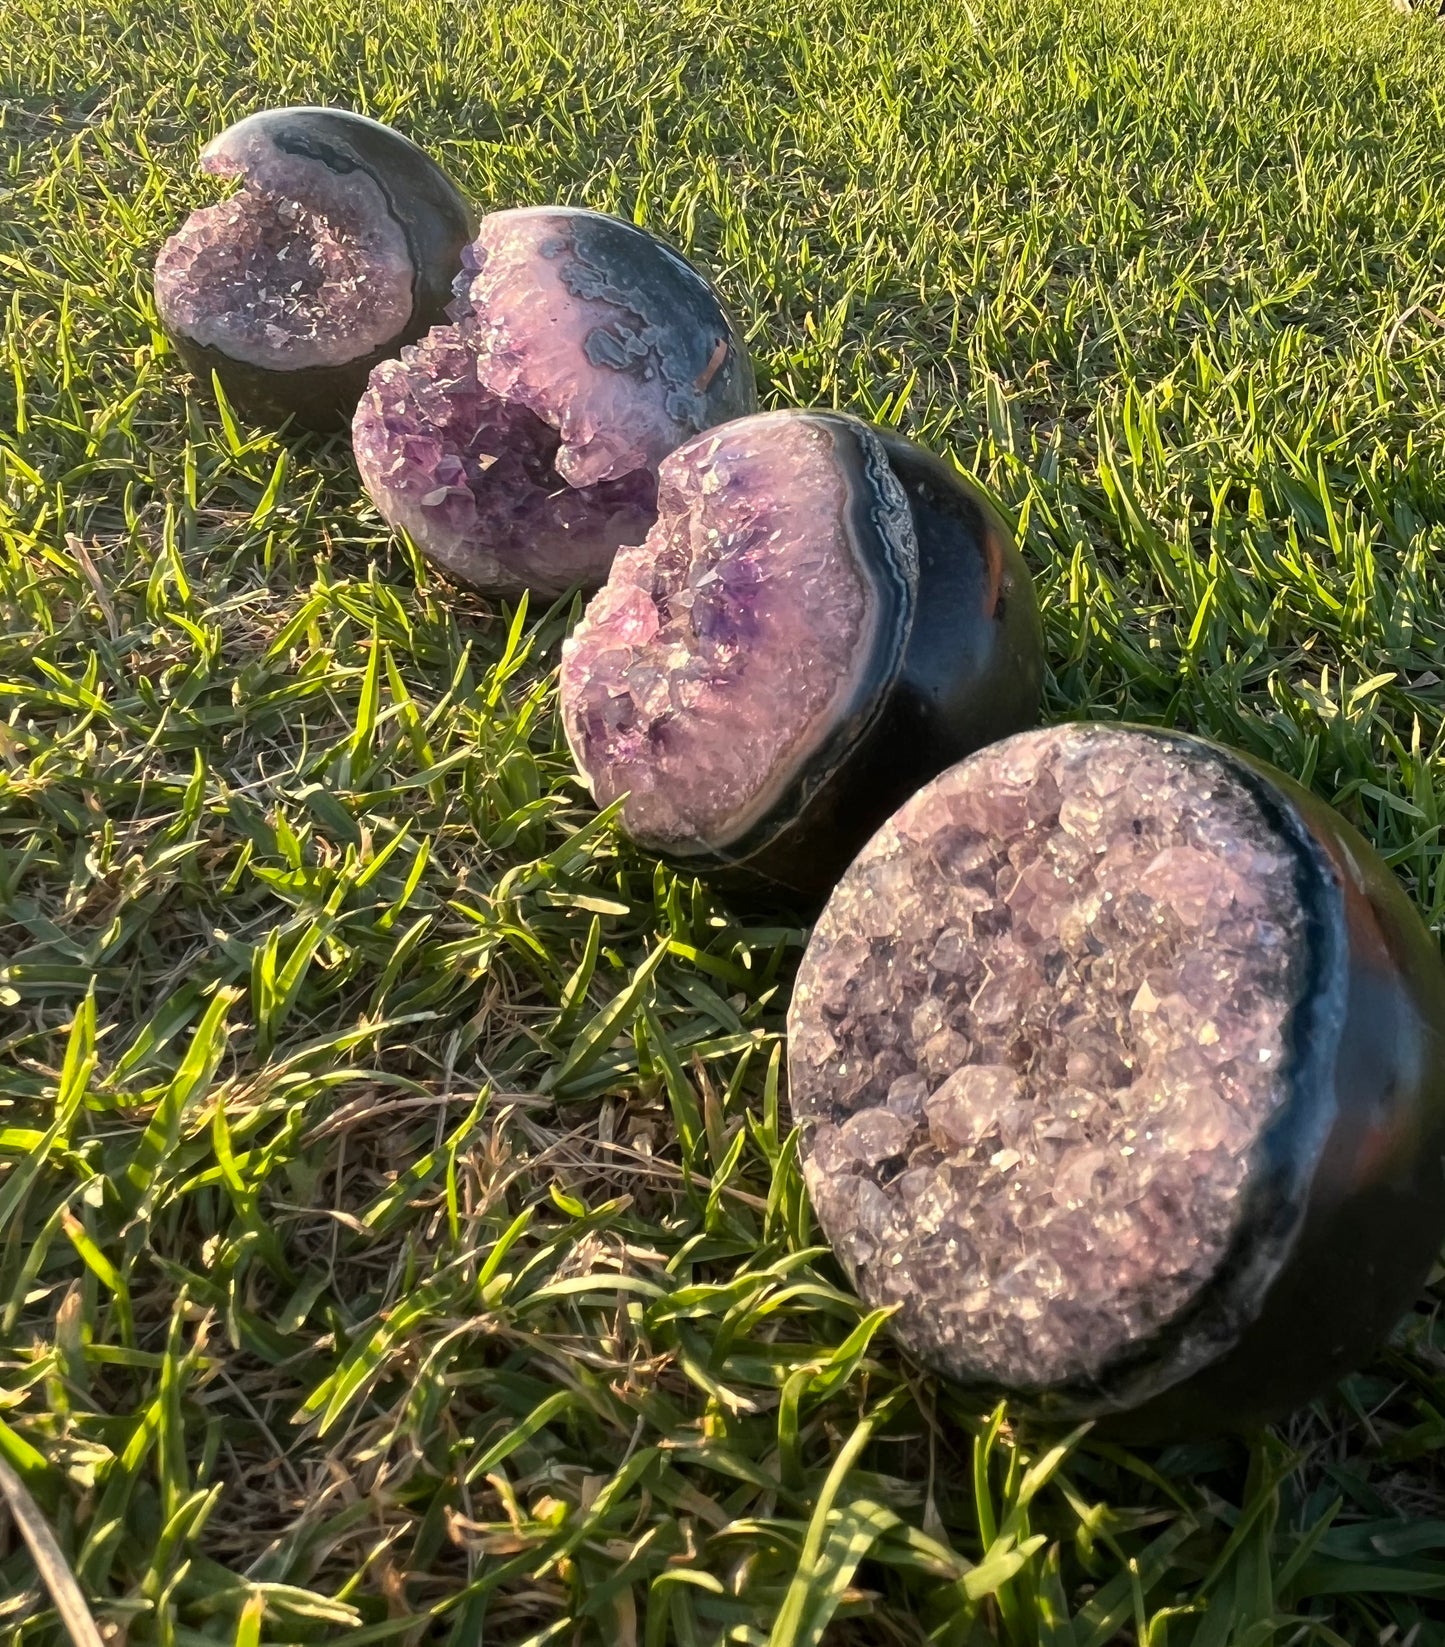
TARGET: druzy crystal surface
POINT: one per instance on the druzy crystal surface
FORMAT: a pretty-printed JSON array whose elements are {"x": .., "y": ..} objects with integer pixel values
[
  {"x": 520, "y": 447},
  {"x": 1037, "y": 1039},
  {"x": 473, "y": 477},
  {"x": 728, "y": 647},
  {"x": 303, "y": 266}
]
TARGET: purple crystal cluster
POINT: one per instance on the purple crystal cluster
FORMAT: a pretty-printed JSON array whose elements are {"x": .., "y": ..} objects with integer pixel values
[
  {"x": 302, "y": 267},
  {"x": 725, "y": 649},
  {"x": 339, "y": 247},
  {"x": 519, "y": 446},
  {"x": 1035, "y": 1043},
  {"x": 473, "y": 477}
]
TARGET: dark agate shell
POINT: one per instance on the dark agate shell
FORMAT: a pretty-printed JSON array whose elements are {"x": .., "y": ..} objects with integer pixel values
[
  {"x": 519, "y": 447},
  {"x": 1120, "y": 1064},
  {"x": 824, "y": 617},
  {"x": 339, "y": 247}
]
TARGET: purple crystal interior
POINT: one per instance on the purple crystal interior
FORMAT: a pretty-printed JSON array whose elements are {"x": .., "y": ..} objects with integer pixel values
[
  {"x": 725, "y": 650},
  {"x": 537, "y": 342},
  {"x": 519, "y": 447},
  {"x": 303, "y": 266},
  {"x": 1036, "y": 1039},
  {"x": 473, "y": 478}
]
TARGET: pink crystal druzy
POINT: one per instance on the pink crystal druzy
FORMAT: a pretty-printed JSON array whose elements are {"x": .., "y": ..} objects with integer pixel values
[
  {"x": 302, "y": 266},
  {"x": 1038, "y": 1040},
  {"x": 519, "y": 447},
  {"x": 726, "y": 651},
  {"x": 339, "y": 247},
  {"x": 824, "y": 617}
]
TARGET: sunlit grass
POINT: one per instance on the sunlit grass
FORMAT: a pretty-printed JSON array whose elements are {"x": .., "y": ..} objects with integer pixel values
[{"x": 400, "y": 1234}]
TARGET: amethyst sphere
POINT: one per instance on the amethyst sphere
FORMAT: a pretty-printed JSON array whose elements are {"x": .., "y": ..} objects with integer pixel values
[
  {"x": 339, "y": 247},
  {"x": 519, "y": 447},
  {"x": 823, "y": 617},
  {"x": 1119, "y": 1060}
]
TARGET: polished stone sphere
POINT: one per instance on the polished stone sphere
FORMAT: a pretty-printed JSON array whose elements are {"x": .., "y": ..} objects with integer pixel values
[
  {"x": 339, "y": 247},
  {"x": 823, "y": 617},
  {"x": 1119, "y": 1060},
  {"x": 519, "y": 446}
]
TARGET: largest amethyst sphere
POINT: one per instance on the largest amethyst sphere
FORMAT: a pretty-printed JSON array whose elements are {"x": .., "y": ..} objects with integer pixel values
[
  {"x": 1119, "y": 1060},
  {"x": 339, "y": 247},
  {"x": 824, "y": 617},
  {"x": 519, "y": 447}
]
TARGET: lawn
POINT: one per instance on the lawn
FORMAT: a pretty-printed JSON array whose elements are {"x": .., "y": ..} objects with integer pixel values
[{"x": 401, "y": 1238}]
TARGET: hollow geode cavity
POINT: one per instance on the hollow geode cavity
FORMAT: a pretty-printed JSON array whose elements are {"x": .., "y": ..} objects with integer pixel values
[
  {"x": 339, "y": 247},
  {"x": 1120, "y": 1065},
  {"x": 823, "y": 617},
  {"x": 519, "y": 446}
]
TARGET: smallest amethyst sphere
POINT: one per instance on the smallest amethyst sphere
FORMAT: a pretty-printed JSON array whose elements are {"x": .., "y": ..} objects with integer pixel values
[
  {"x": 1119, "y": 1060},
  {"x": 339, "y": 247},
  {"x": 824, "y": 617},
  {"x": 519, "y": 447}
]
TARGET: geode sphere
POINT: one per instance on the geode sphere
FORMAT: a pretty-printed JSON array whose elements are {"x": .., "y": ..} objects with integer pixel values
[
  {"x": 823, "y": 617},
  {"x": 519, "y": 447},
  {"x": 1119, "y": 1060},
  {"x": 340, "y": 246}
]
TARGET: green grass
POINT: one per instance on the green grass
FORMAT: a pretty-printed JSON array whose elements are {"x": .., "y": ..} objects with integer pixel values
[{"x": 400, "y": 1235}]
